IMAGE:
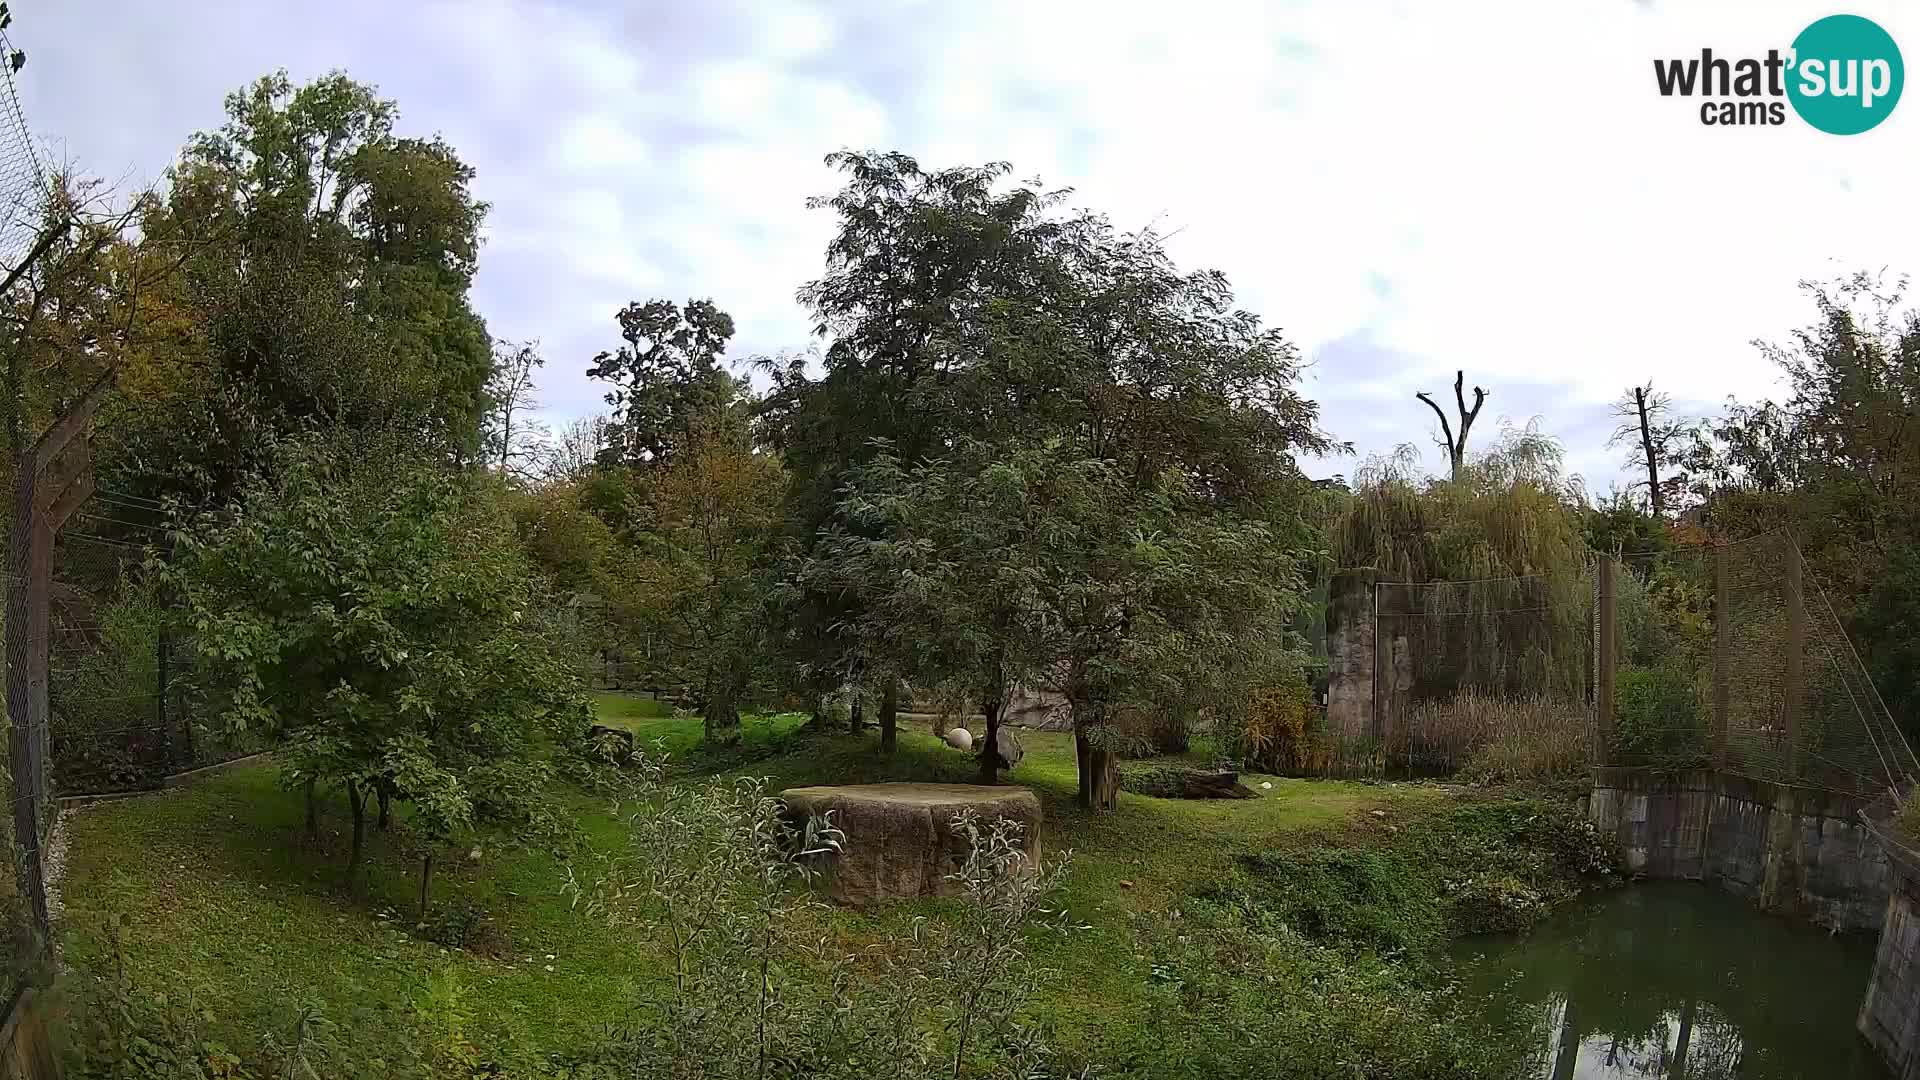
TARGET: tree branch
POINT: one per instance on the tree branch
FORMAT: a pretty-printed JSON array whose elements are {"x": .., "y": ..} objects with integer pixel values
[{"x": 1446, "y": 429}]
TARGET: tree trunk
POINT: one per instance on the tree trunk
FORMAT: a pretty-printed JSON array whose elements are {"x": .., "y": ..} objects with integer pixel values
[
  {"x": 313, "y": 811},
  {"x": 386, "y": 805},
  {"x": 989, "y": 757},
  {"x": 1686, "y": 1036},
  {"x": 1566, "y": 1052},
  {"x": 721, "y": 711},
  {"x": 357, "y": 799},
  {"x": 1099, "y": 772},
  {"x": 889, "y": 714},
  {"x": 856, "y": 722},
  {"x": 1658, "y": 498},
  {"x": 426, "y": 876}
]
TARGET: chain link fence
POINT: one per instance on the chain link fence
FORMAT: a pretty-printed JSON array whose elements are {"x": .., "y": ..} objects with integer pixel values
[
  {"x": 1730, "y": 657},
  {"x": 23, "y": 188},
  {"x": 128, "y": 706},
  {"x": 1724, "y": 657},
  {"x": 23, "y": 183},
  {"x": 1472, "y": 669}
]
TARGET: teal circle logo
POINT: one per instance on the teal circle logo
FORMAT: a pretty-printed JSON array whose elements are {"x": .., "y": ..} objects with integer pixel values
[{"x": 1846, "y": 74}]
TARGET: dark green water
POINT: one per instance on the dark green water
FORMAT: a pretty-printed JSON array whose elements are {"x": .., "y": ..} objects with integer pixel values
[{"x": 1674, "y": 979}]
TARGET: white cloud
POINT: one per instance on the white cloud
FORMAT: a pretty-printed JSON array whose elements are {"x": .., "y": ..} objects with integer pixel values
[{"x": 1494, "y": 186}]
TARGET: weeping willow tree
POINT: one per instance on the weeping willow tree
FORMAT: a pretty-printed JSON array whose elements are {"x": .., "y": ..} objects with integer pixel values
[{"x": 1485, "y": 577}]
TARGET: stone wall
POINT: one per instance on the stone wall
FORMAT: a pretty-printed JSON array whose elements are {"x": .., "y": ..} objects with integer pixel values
[
  {"x": 1890, "y": 1014},
  {"x": 1350, "y": 712},
  {"x": 1794, "y": 851}
]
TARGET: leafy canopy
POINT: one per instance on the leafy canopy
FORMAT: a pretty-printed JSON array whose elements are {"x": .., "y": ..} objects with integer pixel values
[{"x": 373, "y": 611}]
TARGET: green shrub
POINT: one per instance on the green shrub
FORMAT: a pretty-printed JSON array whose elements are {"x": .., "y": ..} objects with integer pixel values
[
  {"x": 1907, "y": 819},
  {"x": 468, "y": 926},
  {"x": 1282, "y": 733},
  {"x": 1481, "y": 866},
  {"x": 1229, "y": 1000},
  {"x": 1373, "y": 899},
  {"x": 1657, "y": 719}
]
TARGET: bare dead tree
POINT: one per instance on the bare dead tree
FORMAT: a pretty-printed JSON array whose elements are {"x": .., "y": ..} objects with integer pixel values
[
  {"x": 1651, "y": 431},
  {"x": 576, "y": 450},
  {"x": 1456, "y": 447},
  {"x": 514, "y": 443}
]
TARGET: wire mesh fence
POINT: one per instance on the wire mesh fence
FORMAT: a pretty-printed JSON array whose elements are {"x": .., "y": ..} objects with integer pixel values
[
  {"x": 1471, "y": 668},
  {"x": 1713, "y": 656},
  {"x": 23, "y": 187},
  {"x": 23, "y": 183},
  {"x": 128, "y": 702},
  {"x": 1731, "y": 657}
]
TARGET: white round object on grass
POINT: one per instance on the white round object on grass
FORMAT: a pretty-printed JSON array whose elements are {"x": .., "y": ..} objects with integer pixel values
[{"x": 960, "y": 739}]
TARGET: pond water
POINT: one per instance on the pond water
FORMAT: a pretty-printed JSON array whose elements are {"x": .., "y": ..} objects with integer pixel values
[{"x": 1674, "y": 979}]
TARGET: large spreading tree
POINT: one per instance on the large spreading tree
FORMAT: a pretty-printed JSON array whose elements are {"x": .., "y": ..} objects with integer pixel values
[
  {"x": 962, "y": 310},
  {"x": 371, "y": 611},
  {"x": 329, "y": 288}
]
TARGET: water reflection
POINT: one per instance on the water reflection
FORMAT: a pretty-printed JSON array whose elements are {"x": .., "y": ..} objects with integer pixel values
[{"x": 1678, "y": 980}]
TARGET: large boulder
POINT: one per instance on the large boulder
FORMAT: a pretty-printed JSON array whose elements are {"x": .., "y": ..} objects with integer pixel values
[
  {"x": 1044, "y": 710},
  {"x": 1006, "y": 747},
  {"x": 900, "y": 839}
]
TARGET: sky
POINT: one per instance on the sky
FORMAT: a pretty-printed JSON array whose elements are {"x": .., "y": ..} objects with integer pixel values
[{"x": 1405, "y": 189}]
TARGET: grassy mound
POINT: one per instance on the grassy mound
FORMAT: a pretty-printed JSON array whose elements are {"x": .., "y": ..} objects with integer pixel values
[{"x": 1223, "y": 911}]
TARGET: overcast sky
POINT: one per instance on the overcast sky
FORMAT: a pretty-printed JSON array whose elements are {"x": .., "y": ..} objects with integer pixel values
[{"x": 1403, "y": 188}]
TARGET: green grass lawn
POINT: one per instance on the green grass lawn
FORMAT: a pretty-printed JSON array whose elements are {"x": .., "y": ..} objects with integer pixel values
[{"x": 222, "y": 897}]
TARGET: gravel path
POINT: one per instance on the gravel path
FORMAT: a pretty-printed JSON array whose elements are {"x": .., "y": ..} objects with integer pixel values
[{"x": 54, "y": 867}]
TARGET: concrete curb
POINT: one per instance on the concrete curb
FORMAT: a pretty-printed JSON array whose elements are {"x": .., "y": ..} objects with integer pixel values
[{"x": 174, "y": 780}]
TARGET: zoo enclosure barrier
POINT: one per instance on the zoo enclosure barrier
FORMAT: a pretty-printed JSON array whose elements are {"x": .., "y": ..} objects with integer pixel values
[
  {"x": 127, "y": 702},
  {"x": 1463, "y": 666},
  {"x": 1731, "y": 657},
  {"x": 1725, "y": 656}
]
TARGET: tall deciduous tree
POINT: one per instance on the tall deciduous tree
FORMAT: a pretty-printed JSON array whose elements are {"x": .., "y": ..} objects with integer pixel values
[
  {"x": 338, "y": 295},
  {"x": 514, "y": 442},
  {"x": 918, "y": 257},
  {"x": 705, "y": 526},
  {"x": 1658, "y": 441},
  {"x": 668, "y": 379},
  {"x": 576, "y": 448},
  {"x": 961, "y": 309}
]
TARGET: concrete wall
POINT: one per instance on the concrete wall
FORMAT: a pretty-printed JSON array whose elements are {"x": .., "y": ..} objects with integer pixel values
[
  {"x": 1795, "y": 851},
  {"x": 1350, "y": 653},
  {"x": 1890, "y": 1015}
]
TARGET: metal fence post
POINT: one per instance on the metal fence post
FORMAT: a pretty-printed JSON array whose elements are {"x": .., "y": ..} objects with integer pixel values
[
  {"x": 1603, "y": 661},
  {"x": 22, "y": 646},
  {"x": 1796, "y": 674},
  {"x": 162, "y": 664},
  {"x": 1722, "y": 656}
]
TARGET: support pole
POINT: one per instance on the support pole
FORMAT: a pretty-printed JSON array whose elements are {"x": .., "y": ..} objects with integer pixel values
[
  {"x": 1796, "y": 681},
  {"x": 1604, "y": 660},
  {"x": 1377, "y": 707},
  {"x": 162, "y": 672},
  {"x": 1722, "y": 656},
  {"x": 26, "y": 597}
]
